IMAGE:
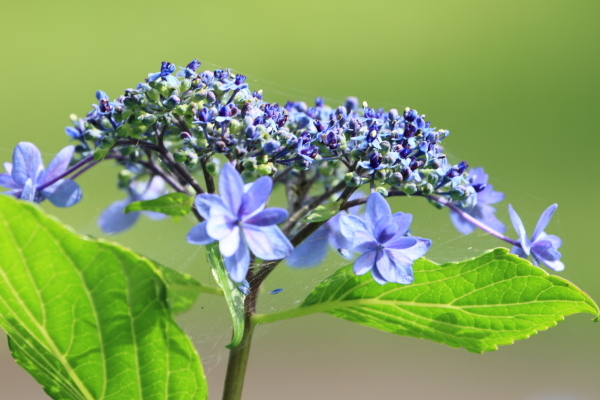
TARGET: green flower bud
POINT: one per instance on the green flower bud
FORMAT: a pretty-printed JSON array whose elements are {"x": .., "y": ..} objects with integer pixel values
[
  {"x": 409, "y": 188},
  {"x": 92, "y": 134},
  {"x": 262, "y": 159},
  {"x": 149, "y": 120},
  {"x": 433, "y": 178},
  {"x": 153, "y": 95},
  {"x": 395, "y": 179},
  {"x": 124, "y": 178},
  {"x": 180, "y": 109},
  {"x": 199, "y": 96},
  {"x": 427, "y": 189},
  {"x": 458, "y": 193},
  {"x": 381, "y": 190},
  {"x": 382, "y": 174},
  {"x": 250, "y": 164},
  {"x": 385, "y": 147},
  {"x": 235, "y": 126},
  {"x": 211, "y": 168},
  {"x": 180, "y": 156},
  {"x": 264, "y": 169},
  {"x": 184, "y": 85},
  {"x": 192, "y": 158}
]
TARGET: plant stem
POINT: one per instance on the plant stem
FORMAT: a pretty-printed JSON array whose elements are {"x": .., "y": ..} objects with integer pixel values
[{"x": 237, "y": 364}]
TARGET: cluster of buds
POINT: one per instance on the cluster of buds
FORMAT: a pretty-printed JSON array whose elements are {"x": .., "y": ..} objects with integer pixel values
[{"x": 200, "y": 114}]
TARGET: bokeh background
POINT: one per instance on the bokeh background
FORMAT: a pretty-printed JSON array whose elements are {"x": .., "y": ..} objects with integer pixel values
[{"x": 515, "y": 81}]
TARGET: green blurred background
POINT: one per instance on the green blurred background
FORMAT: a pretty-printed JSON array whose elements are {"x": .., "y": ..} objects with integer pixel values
[{"x": 516, "y": 82}]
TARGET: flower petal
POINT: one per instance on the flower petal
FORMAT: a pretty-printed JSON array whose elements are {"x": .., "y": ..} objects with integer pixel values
[
  {"x": 355, "y": 230},
  {"x": 267, "y": 242},
  {"x": 28, "y": 192},
  {"x": 365, "y": 262},
  {"x": 377, "y": 208},
  {"x": 230, "y": 243},
  {"x": 385, "y": 230},
  {"x": 543, "y": 221},
  {"x": 518, "y": 251},
  {"x": 403, "y": 266},
  {"x": 66, "y": 194},
  {"x": 312, "y": 251},
  {"x": 7, "y": 181},
  {"x": 232, "y": 188},
  {"x": 205, "y": 201},
  {"x": 113, "y": 219},
  {"x": 269, "y": 216},
  {"x": 401, "y": 242},
  {"x": 237, "y": 265},
  {"x": 155, "y": 189},
  {"x": 220, "y": 222},
  {"x": 556, "y": 265},
  {"x": 555, "y": 240},
  {"x": 544, "y": 251},
  {"x": 403, "y": 222},
  {"x": 377, "y": 277},
  {"x": 257, "y": 195},
  {"x": 518, "y": 225},
  {"x": 198, "y": 235},
  {"x": 59, "y": 164},
  {"x": 27, "y": 163}
]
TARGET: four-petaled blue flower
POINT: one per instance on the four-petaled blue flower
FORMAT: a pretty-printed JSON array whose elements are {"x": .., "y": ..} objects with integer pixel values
[
  {"x": 542, "y": 247},
  {"x": 387, "y": 252},
  {"x": 166, "y": 69},
  {"x": 27, "y": 179},
  {"x": 238, "y": 220},
  {"x": 114, "y": 220},
  {"x": 482, "y": 210}
]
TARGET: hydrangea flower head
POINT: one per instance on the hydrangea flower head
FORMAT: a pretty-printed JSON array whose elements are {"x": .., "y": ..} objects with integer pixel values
[
  {"x": 28, "y": 180},
  {"x": 240, "y": 222},
  {"x": 482, "y": 210},
  {"x": 380, "y": 237},
  {"x": 542, "y": 247}
]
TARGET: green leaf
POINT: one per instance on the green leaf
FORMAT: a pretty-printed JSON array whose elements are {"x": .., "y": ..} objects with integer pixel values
[
  {"x": 86, "y": 318},
  {"x": 104, "y": 148},
  {"x": 174, "y": 204},
  {"x": 182, "y": 289},
  {"x": 478, "y": 304},
  {"x": 323, "y": 212},
  {"x": 233, "y": 297}
]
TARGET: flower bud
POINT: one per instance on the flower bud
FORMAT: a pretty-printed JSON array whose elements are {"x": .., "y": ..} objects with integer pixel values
[
  {"x": 149, "y": 120},
  {"x": 264, "y": 169},
  {"x": 395, "y": 179},
  {"x": 381, "y": 190},
  {"x": 172, "y": 102},
  {"x": 427, "y": 189},
  {"x": 409, "y": 188},
  {"x": 250, "y": 164},
  {"x": 356, "y": 154},
  {"x": 184, "y": 85},
  {"x": 262, "y": 159},
  {"x": 153, "y": 95},
  {"x": 211, "y": 168}
]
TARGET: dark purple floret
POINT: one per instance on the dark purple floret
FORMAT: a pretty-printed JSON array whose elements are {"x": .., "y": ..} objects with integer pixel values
[
  {"x": 462, "y": 167},
  {"x": 410, "y": 115},
  {"x": 375, "y": 160},
  {"x": 239, "y": 79}
]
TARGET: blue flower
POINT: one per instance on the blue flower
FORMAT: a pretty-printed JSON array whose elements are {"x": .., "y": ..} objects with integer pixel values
[
  {"x": 114, "y": 220},
  {"x": 190, "y": 70},
  {"x": 166, "y": 69},
  {"x": 481, "y": 211},
  {"x": 238, "y": 220},
  {"x": 542, "y": 247},
  {"x": 27, "y": 179},
  {"x": 313, "y": 250},
  {"x": 380, "y": 237}
]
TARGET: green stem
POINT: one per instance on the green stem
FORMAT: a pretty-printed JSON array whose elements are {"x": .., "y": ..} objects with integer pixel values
[{"x": 237, "y": 364}]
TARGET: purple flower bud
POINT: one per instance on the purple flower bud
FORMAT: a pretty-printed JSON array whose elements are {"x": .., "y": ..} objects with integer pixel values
[
  {"x": 351, "y": 104},
  {"x": 100, "y": 95},
  {"x": 319, "y": 102},
  {"x": 462, "y": 167},
  {"x": 393, "y": 114},
  {"x": 185, "y": 136},
  {"x": 410, "y": 115},
  {"x": 239, "y": 79},
  {"x": 194, "y": 65},
  {"x": 271, "y": 146},
  {"x": 405, "y": 152}
]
